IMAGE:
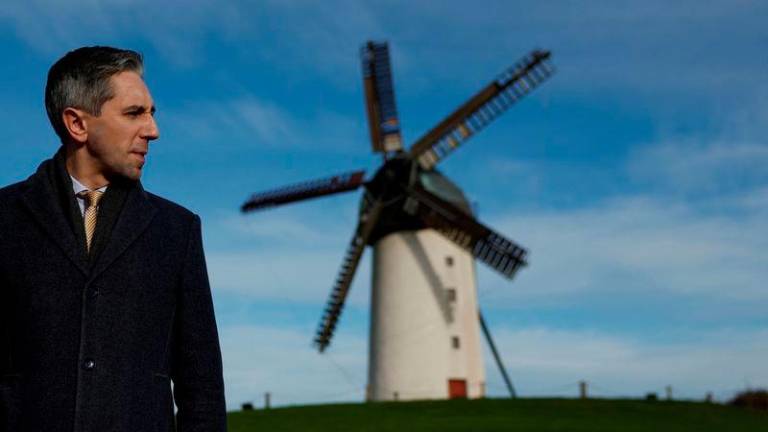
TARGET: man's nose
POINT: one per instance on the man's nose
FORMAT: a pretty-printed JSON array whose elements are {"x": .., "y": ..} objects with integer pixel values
[{"x": 151, "y": 131}]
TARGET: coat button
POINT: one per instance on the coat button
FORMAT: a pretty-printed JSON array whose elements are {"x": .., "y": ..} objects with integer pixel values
[{"x": 89, "y": 364}]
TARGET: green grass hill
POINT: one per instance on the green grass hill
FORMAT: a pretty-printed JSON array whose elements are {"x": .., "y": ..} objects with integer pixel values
[{"x": 540, "y": 415}]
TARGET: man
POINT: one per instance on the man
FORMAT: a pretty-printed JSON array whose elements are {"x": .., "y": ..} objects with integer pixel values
[{"x": 104, "y": 295}]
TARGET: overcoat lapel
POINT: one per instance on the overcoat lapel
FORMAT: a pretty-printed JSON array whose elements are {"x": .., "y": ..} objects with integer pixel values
[
  {"x": 134, "y": 219},
  {"x": 43, "y": 202}
]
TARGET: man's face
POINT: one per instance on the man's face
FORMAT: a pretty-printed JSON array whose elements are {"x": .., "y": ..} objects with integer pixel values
[{"x": 118, "y": 139}]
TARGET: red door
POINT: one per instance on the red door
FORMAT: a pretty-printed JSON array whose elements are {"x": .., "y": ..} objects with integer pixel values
[{"x": 457, "y": 389}]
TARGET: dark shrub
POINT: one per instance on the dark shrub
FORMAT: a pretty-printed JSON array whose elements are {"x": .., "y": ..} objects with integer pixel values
[{"x": 757, "y": 399}]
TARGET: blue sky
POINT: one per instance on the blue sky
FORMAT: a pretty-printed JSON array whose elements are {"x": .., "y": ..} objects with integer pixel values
[{"x": 635, "y": 176}]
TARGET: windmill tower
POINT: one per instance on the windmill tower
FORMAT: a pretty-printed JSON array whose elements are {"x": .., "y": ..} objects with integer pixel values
[{"x": 425, "y": 320}]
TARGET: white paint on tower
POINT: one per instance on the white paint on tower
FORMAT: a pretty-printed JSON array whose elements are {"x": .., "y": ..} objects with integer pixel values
[{"x": 425, "y": 334}]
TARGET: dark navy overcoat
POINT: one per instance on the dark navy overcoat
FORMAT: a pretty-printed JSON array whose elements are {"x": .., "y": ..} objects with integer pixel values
[{"x": 93, "y": 346}]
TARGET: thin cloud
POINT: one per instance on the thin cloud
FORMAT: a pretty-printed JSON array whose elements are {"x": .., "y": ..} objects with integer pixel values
[
  {"x": 261, "y": 359},
  {"x": 547, "y": 361},
  {"x": 283, "y": 231},
  {"x": 296, "y": 275},
  {"x": 697, "y": 166},
  {"x": 306, "y": 34},
  {"x": 542, "y": 362},
  {"x": 177, "y": 33},
  {"x": 256, "y": 122},
  {"x": 642, "y": 242},
  {"x": 297, "y": 35}
]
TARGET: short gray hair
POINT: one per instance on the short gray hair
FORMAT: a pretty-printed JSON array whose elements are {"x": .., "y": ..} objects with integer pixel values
[{"x": 80, "y": 80}]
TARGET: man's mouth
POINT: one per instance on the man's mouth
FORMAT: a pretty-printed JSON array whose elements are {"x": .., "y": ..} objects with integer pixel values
[{"x": 140, "y": 154}]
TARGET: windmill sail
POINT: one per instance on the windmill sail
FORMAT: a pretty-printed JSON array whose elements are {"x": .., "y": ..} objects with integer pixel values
[
  {"x": 482, "y": 108},
  {"x": 380, "y": 98},
  {"x": 306, "y": 190},
  {"x": 488, "y": 246},
  {"x": 348, "y": 268}
]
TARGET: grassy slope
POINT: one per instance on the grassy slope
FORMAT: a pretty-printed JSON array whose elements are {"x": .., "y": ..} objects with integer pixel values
[{"x": 538, "y": 415}]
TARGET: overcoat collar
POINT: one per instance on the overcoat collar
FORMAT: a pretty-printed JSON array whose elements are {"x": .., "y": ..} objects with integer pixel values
[{"x": 45, "y": 206}]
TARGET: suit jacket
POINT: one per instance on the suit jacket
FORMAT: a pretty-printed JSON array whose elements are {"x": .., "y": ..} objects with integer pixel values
[{"x": 92, "y": 343}]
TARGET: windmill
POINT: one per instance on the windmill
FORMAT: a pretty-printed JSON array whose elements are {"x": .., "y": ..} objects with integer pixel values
[{"x": 425, "y": 321}]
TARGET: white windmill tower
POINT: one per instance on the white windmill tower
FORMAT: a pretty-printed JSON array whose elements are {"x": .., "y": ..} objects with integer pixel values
[{"x": 425, "y": 321}]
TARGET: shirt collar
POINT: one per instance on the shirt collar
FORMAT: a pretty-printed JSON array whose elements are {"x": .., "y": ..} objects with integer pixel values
[{"x": 79, "y": 187}]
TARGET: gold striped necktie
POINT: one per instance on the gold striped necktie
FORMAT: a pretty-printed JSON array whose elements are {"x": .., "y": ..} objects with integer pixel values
[{"x": 91, "y": 199}]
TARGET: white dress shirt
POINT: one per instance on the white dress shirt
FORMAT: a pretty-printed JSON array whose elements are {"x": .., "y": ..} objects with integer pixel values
[{"x": 78, "y": 187}]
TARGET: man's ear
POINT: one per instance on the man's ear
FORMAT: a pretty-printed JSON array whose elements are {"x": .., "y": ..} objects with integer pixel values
[{"x": 75, "y": 123}]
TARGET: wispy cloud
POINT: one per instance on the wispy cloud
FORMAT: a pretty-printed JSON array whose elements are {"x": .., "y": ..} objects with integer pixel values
[
  {"x": 268, "y": 123},
  {"x": 296, "y": 35},
  {"x": 293, "y": 35},
  {"x": 285, "y": 256},
  {"x": 698, "y": 166},
  {"x": 541, "y": 361},
  {"x": 261, "y": 359},
  {"x": 296, "y": 276},
  {"x": 642, "y": 244},
  {"x": 262, "y": 123},
  {"x": 547, "y": 361},
  {"x": 177, "y": 33},
  {"x": 286, "y": 231}
]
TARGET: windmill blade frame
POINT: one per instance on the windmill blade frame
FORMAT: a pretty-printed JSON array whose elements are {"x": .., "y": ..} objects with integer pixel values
[
  {"x": 380, "y": 104},
  {"x": 338, "y": 296},
  {"x": 306, "y": 190},
  {"x": 482, "y": 108},
  {"x": 488, "y": 246}
]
